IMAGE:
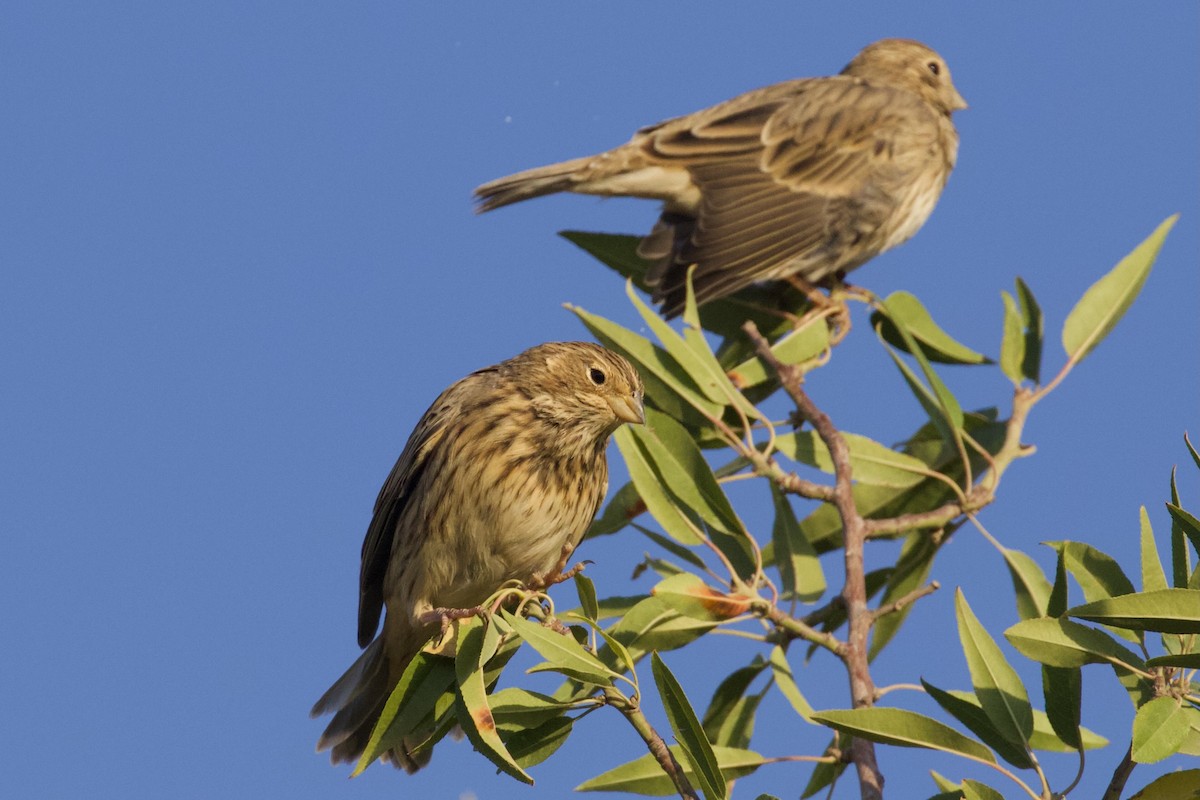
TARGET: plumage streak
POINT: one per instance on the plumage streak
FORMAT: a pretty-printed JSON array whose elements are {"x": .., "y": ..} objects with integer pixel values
[
  {"x": 500, "y": 478},
  {"x": 808, "y": 178}
]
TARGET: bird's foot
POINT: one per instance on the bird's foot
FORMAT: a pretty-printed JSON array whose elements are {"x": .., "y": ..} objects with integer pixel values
[{"x": 559, "y": 573}]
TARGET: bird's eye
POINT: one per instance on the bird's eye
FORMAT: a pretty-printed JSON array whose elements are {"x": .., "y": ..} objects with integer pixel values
[
  {"x": 597, "y": 375},
  {"x": 935, "y": 67}
]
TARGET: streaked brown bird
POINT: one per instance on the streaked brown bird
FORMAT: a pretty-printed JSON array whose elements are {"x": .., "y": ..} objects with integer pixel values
[
  {"x": 498, "y": 481},
  {"x": 807, "y": 178}
]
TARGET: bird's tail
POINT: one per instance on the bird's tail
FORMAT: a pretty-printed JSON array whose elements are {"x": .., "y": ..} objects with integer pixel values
[
  {"x": 552, "y": 178},
  {"x": 356, "y": 700}
]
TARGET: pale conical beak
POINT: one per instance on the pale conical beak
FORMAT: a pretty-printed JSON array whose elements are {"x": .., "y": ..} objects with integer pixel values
[
  {"x": 958, "y": 103},
  {"x": 628, "y": 409}
]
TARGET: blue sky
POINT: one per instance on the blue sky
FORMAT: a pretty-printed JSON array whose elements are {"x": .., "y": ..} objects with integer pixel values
[{"x": 240, "y": 259}]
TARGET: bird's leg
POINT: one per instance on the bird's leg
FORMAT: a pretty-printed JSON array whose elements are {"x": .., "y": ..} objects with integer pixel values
[
  {"x": 444, "y": 617},
  {"x": 542, "y": 581},
  {"x": 832, "y": 306}
]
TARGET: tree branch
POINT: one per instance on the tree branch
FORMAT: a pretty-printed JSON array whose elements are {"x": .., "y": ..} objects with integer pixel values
[{"x": 854, "y": 535}]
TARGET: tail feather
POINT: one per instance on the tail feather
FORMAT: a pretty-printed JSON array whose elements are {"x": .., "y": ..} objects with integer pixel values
[
  {"x": 528, "y": 184},
  {"x": 356, "y": 700}
]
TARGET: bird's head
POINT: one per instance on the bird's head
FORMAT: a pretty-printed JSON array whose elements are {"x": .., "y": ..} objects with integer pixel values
[{"x": 910, "y": 65}]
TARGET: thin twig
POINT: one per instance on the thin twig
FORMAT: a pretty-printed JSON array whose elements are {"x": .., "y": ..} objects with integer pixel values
[
  {"x": 903, "y": 602},
  {"x": 1120, "y": 775},
  {"x": 654, "y": 743}
]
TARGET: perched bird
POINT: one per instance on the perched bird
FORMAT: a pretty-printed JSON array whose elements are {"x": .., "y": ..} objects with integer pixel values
[
  {"x": 808, "y": 178},
  {"x": 498, "y": 481}
]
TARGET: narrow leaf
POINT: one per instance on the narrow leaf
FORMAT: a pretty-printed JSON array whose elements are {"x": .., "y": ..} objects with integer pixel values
[
  {"x": 1153, "y": 577},
  {"x": 587, "y": 596},
  {"x": 474, "y": 713},
  {"x": 911, "y": 571},
  {"x": 1187, "y": 523},
  {"x": 936, "y": 343},
  {"x": 949, "y": 405},
  {"x": 1012, "y": 345},
  {"x": 616, "y": 251},
  {"x": 974, "y": 790},
  {"x": 801, "y": 576},
  {"x": 1098, "y": 574},
  {"x": 690, "y": 596},
  {"x": 996, "y": 683},
  {"x": 644, "y": 776},
  {"x": 1032, "y": 314},
  {"x": 532, "y": 746},
  {"x": 1107, "y": 300},
  {"x": 688, "y": 732},
  {"x": 803, "y": 344},
  {"x": 871, "y": 462},
  {"x": 966, "y": 708},
  {"x": 729, "y": 718},
  {"x": 784, "y": 679},
  {"x": 563, "y": 653},
  {"x": 1062, "y": 690},
  {"x": 425, "y": 680},
  {"x": 1185, "y": 660},
  {"x": 903, "y": 728},
  {"x": 1030, "y": 586},
  {"x": 649, "y": 484},
  {"x": 1062, "y": 643},
  {"x": 1180, "y": 561},
  {"x": 1165, "y": 610},
  {"x": 1172, "y": 786}
]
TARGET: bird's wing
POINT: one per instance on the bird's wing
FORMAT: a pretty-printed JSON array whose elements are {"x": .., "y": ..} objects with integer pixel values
[
  {"x": 789, "y": 174},
  {"x": 381, "y": 541}
]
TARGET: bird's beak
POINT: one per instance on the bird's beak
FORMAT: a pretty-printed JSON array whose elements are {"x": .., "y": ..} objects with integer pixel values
[
  {"x": 958, "y": 103},
  {"x": 628, "y": 409}
]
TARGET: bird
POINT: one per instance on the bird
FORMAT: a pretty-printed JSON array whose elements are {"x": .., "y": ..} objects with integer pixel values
[
  {"x": 808, "y": 178},
  {"x": 498, "y": 481}
]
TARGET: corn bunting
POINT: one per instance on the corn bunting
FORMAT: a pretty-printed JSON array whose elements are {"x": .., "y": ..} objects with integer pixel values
[
  {"x": 807, "y": 179},
  {"x": 498, "y": 481}
]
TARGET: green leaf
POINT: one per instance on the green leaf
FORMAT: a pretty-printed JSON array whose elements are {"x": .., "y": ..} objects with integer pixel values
[
  {"x": 683, "y": 470},
  {"x": 679, "y": 551},
  {"x": 516, "y": 709},
  {"x": 692, "y": 597},
  {"x": 644, "y": 776},
  {"x": 1032, "y": 314},
  {"x": 1153, "y": 577},
  {"x": 698, "y": 368},
  {"x": 786, "y": 682},
  {"x": 1172, "y": 786},
  {"x": 903, "y": 728},
  {"x": 476, "y": 644},
  {"x": 974, "y": 790},
  {"x": 1056, "y": 604},
  {"x": 587, "y": 596},
  {"x": 694, "y": 337},
  {"x": 424, "y": 681},
  {"x": 941, "y": 406},
  {"x": 800, "y": 345},
  {"x": 871, "y": 462},
  {"x": 1098, "y": 574},
  {"x": 615, "y": 251},
  {"x": 1062, "y": 690},
  {"x": 1107, "y": 300},
  {"x": 1192, "y": 450},
  {"x": 652, "y": 625},
  {"x": 532, "y": 746},
  {"x": 650, "y": 485},
  {"x": 800, "y": 572},
  {"x": 944, "y": 784},
  {"x": 911, "y": 571},
  {"x": 1187, "y": 523},
  {"x": 1165, "y": 610},
  {"x": 1030, "y": 586},
  {"x": 1159, "y": 729},
  {"x": 966, "y": 708},
  {"x": 688, "y": 732},
  {"x": 1044, "y": 737},
  {"x": 1062, "y": 643},
  {"x": 729, "y": 719},
  {"x": 996, "y": 683},
  {"x": 563, "y": 653},
  {"x": 1012, "y": 345},
  {"x": 1185, "y": 660},
  {"x": 1180, "y": 561},
  {"x": 935, "y": 342}
]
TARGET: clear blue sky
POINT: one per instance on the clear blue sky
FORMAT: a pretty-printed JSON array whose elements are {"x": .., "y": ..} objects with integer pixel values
[{"x": 240, "y": 259}]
